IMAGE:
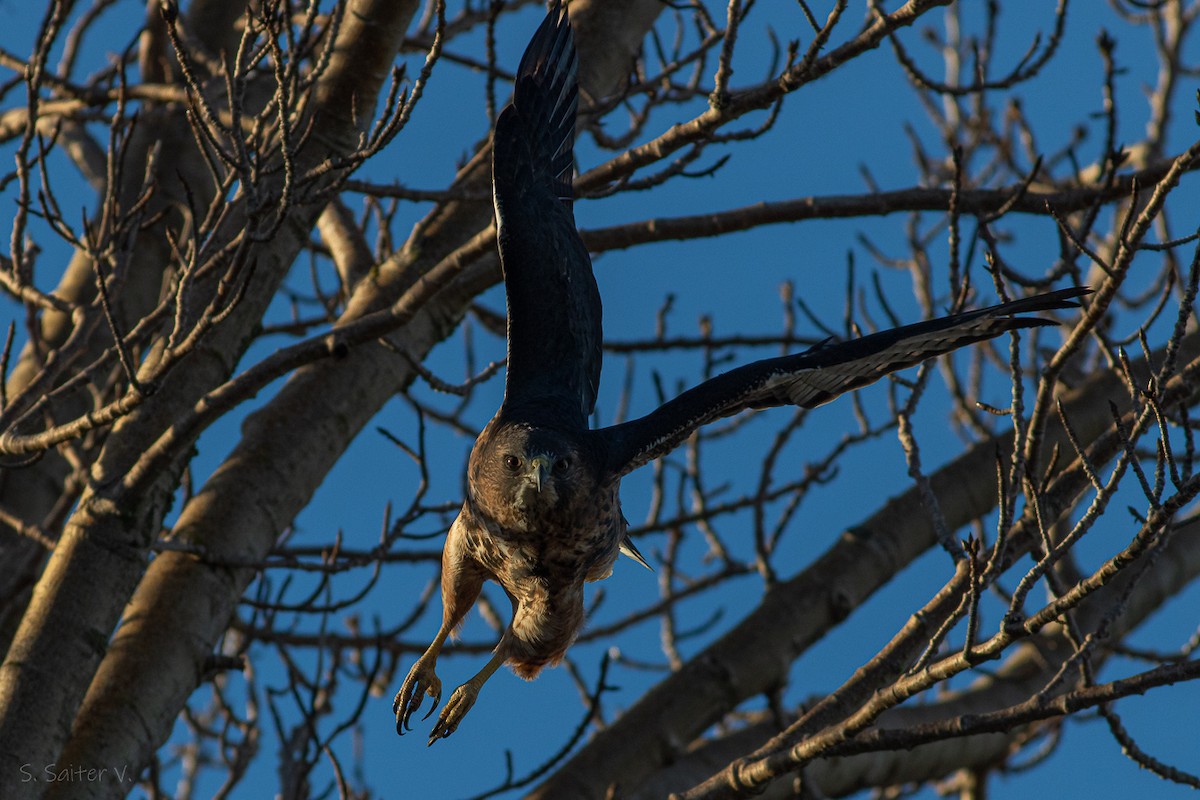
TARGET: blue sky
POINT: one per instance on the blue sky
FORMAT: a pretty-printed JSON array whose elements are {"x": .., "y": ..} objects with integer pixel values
[{"x": 826, "y": 132}]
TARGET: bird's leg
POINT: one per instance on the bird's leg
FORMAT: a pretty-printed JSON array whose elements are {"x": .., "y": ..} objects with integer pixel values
[
  {"x": 422, "y": 680},
  {"x": 464, "y": 696},
  {"x": 461, "y": 583}
]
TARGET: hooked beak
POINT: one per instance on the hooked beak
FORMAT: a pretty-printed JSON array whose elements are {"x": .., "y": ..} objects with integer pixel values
[{"x": 539, "y": 469}]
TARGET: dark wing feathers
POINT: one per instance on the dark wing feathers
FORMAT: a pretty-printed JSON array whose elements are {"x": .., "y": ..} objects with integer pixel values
[
  {"x": 546, "y": 95},
  {"x": 818, "y": 375},
  {"x": 554, "y": 333}
]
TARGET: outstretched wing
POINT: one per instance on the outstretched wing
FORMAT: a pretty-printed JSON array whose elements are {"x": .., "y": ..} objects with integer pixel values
[
  {"x": 554, "y": 333},
  {"x": 816, "y": 376}
]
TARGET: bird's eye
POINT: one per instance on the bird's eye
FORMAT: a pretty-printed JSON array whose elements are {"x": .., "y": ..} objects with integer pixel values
[
  {"x": 562, "y": 465},
  {"x": 512, "y": 462}
]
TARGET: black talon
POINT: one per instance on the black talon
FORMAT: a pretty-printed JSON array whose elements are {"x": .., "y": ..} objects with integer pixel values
[
  {"x": 432, "y": 708},
  {"x": 409, "y": 710},
  {"x": 409, "y": 700},
  {"x": 402, "y": 707},
  {"x": 401, "y": 712}
]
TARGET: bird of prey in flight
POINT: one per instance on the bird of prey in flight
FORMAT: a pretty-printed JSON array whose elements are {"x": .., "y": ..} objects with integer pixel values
[{"x": 542, "y": 514}]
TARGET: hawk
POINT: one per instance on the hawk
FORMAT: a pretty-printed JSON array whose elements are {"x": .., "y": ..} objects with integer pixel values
[{"x": 542, "y": 515}]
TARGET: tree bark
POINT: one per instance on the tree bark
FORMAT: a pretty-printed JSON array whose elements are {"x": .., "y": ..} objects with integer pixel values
[
  {"x": 757, "y": 654},
  {"x": 183, "y": 605},
  {"x": 104, "y": 549},
  {"x": 1023, "y": 674}
]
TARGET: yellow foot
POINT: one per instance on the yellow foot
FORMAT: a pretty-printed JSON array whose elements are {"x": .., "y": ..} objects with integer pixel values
[
  {"x": 456, "y": 708},
  {"x": 422, "y": 680}
]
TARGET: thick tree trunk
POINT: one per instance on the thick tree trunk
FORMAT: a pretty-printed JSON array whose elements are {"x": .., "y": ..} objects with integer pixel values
[
  {"x": 183, "y": 606},
  {"x": 103, "y": 552}
]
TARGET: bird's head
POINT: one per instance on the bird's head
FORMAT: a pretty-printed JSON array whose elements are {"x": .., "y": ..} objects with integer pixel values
[{"x": 521, "y": 475}]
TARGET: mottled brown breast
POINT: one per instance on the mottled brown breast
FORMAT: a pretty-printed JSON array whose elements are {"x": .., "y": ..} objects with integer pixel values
[{"x": 561, "y": 547}]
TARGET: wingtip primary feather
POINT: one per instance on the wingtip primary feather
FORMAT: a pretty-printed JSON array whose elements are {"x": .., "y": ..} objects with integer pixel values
[
  {"x": 552, "y": 35},
  {"x": 1048, "y": 301},
  {"x": 546, "y": 94}
]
